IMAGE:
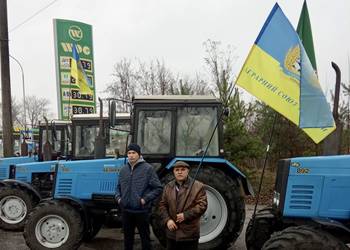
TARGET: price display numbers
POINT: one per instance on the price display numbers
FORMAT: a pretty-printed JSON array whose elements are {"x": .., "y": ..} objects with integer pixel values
[
  {"x": 82, "y": 109},
  {"x": 87, "y": 64},
  {"x": 76, "y": 95}
]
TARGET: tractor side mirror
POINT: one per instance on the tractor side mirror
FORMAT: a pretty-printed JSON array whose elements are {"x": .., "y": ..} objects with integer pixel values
[{"x": 111, "y": 113}]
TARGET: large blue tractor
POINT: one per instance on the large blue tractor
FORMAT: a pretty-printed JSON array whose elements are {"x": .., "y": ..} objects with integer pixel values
[
  {"x": 23, "y": 183},
  {"x": 168, "y": 128},
  {"x": 29, "y": 183},
  {"x": 311, "y": 208}
]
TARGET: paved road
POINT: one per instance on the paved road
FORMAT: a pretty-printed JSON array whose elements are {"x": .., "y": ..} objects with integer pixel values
[{"x": 107, "y": 239}]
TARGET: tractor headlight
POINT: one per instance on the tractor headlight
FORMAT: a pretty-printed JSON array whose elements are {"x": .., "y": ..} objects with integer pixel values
[{"x": 276, "y": 198}]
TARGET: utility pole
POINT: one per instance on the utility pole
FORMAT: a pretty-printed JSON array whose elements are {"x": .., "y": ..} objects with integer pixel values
[{"x": 7, "y": 129}]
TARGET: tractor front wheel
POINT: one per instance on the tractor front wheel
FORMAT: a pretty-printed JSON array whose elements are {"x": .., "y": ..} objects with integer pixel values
[
  {"x": 54, "y": 225},
  {"x": 15, "y": 205},
  {"x": 303, "y": 237},
  {"x": 261, "y": 229}
]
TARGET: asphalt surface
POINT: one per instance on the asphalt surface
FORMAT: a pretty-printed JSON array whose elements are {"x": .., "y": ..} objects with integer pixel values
[{"x": 108, "y": 239}]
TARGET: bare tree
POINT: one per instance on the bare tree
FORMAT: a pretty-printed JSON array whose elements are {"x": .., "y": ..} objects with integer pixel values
[
  {"x": 36, "y": 108},
  {"x": 220, "y": 64},
  {"x": 155, "y": 78},
  {"x": 124, "y": 83},
  {"x": 17, "y": 113}
]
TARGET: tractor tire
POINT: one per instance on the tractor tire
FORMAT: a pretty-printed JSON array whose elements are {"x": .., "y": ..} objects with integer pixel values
[
  {"x": 55, "y": 225},
  {"x": 223, "y": 221},
  {"x": 265, "y": 224},
  {"x": 303, "y": 237},
  {"x": 96, "y": 225},
  {"x": 15, "y": 205}
]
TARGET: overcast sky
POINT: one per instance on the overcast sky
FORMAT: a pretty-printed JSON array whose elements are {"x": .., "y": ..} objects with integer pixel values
[{"x": 172, "y": 31}]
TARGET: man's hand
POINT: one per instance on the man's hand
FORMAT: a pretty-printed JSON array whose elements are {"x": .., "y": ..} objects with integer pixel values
[
  {"x": 143, "y": 202},
  {"x": 119, "y": 201},
  {"x": 180, "y": 217},
  {"x": 171, "y": 225}
]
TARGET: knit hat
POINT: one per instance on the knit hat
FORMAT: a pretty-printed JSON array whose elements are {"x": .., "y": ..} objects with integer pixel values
[
  {"x": 134, "y": 147},
  {"x": 181, "y": 164}
]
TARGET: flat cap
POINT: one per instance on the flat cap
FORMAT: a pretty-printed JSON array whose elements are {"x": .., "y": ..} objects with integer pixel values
[{"x": 181, "y": 164}]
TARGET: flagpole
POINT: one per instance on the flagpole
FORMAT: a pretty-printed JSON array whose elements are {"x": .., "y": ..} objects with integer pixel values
[{"x": 263, "y": 170}]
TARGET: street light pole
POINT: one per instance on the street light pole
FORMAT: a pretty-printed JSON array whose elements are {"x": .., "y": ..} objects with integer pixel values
[
  {"x": 24, "y": 149},
  {"x": 23, "y": 88}
]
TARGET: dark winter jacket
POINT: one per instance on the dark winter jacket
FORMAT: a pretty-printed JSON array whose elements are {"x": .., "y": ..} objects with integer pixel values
[
  {"x": 134, "y": 184},
  {"x": 172, "y": 204}
]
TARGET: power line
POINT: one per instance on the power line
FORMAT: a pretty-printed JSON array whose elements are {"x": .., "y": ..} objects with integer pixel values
[{"x": 32, "y": 16}]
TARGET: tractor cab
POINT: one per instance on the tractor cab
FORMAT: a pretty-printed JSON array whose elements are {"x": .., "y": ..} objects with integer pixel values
[
  {"x": 85, "y": 131},
  {"x": 176, "y": 126},
  {"x": 56, "y": 133}
]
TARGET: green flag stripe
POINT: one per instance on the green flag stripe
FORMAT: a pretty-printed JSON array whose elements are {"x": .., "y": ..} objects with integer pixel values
[{"x": 305, "y": 34}]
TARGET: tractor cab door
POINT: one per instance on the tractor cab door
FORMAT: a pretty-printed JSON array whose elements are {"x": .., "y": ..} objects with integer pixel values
[{"x": 117, "y": 140}]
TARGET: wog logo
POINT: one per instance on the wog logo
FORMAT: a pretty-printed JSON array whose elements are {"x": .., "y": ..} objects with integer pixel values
[{"x": 75, "y": 33}]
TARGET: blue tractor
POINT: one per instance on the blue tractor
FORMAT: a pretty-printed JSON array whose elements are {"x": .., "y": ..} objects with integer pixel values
[
  {"x": 310, "y": 206},
  {"x": 29, "y": 183},
  {"x": 22, "y": 184},
  {"x": 168, "y": 128}
]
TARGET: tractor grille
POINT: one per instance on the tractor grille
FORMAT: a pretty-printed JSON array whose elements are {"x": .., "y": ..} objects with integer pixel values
[
  {"x": 3, "y": 174},
  {"x": 301, "y": 197},
  {"x": 107, "y": 186},
  {"x": 64, "y": 186}
]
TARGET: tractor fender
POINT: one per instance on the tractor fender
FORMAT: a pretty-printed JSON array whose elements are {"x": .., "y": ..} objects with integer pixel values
[
  {"x": 329, "y": 223},
  {"x": 23, "y": 185},
  {"x": 225, "y": 165},
  {"x": 79, "y": 205}
]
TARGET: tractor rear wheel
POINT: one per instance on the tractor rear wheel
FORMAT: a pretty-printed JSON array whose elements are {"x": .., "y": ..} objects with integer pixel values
[
  {"x": 54, "y": 225},
  {"x": 15, "y": 205},
  {"x": 303, "y": 237},
  {"x": 222, "y": 222}
]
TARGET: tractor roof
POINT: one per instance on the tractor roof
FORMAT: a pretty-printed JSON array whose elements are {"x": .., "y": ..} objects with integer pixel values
[
  {"x": 97, "y": 116},
  {"x": 56, "y": 122},
  {"x": 176, "y": 99}
]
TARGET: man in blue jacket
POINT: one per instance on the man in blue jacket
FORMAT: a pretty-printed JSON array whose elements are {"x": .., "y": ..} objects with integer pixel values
[{"x": 138, "y": 186}]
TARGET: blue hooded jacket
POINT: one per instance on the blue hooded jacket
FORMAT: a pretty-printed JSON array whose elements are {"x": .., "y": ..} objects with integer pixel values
[{"x": 134, "y": 184}]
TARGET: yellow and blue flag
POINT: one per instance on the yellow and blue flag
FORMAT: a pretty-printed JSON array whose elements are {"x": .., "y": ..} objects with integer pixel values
[
  {"x": 77, "y": 72},
  {"x": 278, "y": 72}
]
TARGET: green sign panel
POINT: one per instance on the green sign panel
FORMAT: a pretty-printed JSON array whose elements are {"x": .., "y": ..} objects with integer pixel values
[{"x": 70, "y": 100}]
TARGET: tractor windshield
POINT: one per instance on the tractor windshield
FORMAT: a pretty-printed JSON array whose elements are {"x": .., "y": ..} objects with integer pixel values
[
  {"x": 56, "y": 144},
  {"x": 118, "y": 140},
  {"x": 85, "y": 140},
  {"x": 191, "y": 131},
  {"x": 154, "y": 131},
  {"x": 194, "y": 128}
]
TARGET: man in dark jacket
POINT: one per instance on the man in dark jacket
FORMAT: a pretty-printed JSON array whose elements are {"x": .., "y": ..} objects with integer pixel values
[
  {"x": 138, "y": 186},
  {"x": 181, "y": 214}
]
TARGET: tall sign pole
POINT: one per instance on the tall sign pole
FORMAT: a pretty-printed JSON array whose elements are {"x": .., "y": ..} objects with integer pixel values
[{"x": 5, "y": 83}]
